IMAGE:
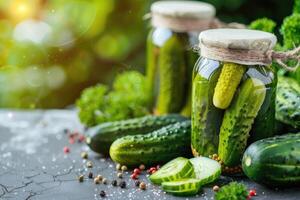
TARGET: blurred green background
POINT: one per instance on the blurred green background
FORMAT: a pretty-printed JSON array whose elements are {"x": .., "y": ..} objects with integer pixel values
[{"x": 52, "y": 49}]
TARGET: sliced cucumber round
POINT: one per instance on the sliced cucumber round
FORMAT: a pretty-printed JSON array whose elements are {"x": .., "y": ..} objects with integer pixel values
[
  {"x": 184, "y": 187},
  {"x": 206, "y": 170},
  {"x": 176, "y": 169}
]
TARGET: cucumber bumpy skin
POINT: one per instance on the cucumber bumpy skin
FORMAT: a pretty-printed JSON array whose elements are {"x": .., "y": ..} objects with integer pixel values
[
  {"x": 191, "y": 58},
  {"x": 172, "y": 75},
  {"x": 238, "y": 120},
  {"x": 152, "y": 62},
  {"x": 274, "y": 161},
  {"x": 206, "y": 118},
  {"x": 288, "y": 102},
  {"x": 99, "y": 138},
  {"x": 153, "y": 148},
  {"x": 227, "y": 84},
  {"x": 265, "y": 124}
]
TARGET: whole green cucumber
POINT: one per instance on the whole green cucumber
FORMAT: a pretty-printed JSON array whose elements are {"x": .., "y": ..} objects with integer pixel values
[
  {"x": 238, "y": 120},
  {"x": 99, "y": 138},
  {"x": 288, "y": 102},
  {"x": 172, "y": 76},
  {"x": 159, "y": 146},
  {"x": 265, "y": 124},
  {"x": 206, "y": 118},
  {"x": 274, "y": 161}
]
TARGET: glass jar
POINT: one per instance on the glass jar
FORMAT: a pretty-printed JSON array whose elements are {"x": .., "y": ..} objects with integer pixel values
[
  {"x": 170, "y": 59},
  {"x": 232, "y": 98}
]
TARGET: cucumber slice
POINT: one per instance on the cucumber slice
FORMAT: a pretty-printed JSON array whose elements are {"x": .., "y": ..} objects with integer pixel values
[
  {"x": 184, "y": 187},
  {"x": 176, "y": 169},
  {"x": 206, "y": 169}
]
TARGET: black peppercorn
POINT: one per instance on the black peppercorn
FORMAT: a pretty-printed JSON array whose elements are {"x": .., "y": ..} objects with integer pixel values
[
  {"x": 66, "y": 130},
  {"x": 114, "y": 183},
  {"x": 137, "y": 183},
  {"x": 123, "y": 184},
  {"x": 102, "y": 193},
  {"x": 90, "y": 175}
]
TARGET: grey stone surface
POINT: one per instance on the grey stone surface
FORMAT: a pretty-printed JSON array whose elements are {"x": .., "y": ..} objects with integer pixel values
[{"x": 34, "y": 166}]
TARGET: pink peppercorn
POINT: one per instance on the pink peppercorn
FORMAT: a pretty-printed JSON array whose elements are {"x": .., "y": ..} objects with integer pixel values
[{"x": 66, "y": 149}]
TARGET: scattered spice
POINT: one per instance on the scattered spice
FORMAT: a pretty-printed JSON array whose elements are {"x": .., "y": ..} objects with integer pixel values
[
  {"x": 152, "y": 170},
  {"x": 71, "y": 140},
  {"x": 142, "y": 186},
  {"x": 81, "y": 138},
  {"x": 134, "y": 176},
  {"x": 142, "y": 167},
  {"x": 104, "y": 181},
  {"x": 84, "y": 155},
  {"x": 66, "y": 131},
  {"x": 80, "y": 178},
  {"x": 136, "y": 171},
  {"x": 123, "y": 184},
  {"x": 100, "y": 177},
  {"x": 102, "y": 193},
  {"x": 66, "y": 150},
  {"x": 96, "y": 180},
  {"x": 90, "y": 175},
  {"x": 252, "y": 193},
  {"x": 114, "y": 183},
  {"x": 89, "y": 164},
  {"x": 137, "y": 183},
  {"x": 124, "y": 168},
  {"x": 118, "y": 166},
  {"x": 120, "y": 175},
  {"x": 216, "y": 188}
]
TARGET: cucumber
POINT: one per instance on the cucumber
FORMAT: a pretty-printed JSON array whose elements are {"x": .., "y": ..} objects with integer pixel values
[
  {"x": 172, "y": 75},
  {"x": 206, "y": 118},
  {"x": 265, "y": 124},
  {"x": 176, "y": 169},
  {"x": 191, "y": 58},
  {"x": 99, "y": 138},
  {"x": 274, "y": 161},
  {"x": 238, "y": 120},
  {"x": 206, "y": 169},
  {"x": 156, "y": 147},
  {"x": 229, "y": 80},
  {"x": 288, "y": 102},
  {"x": 184, "y": 187},
  {"x": 152, "y": 69}
]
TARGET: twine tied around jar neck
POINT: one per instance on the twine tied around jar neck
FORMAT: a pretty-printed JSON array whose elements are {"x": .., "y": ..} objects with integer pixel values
[
  {"x": 251, "y": 57},
  {"x": 188, "y": 24}
]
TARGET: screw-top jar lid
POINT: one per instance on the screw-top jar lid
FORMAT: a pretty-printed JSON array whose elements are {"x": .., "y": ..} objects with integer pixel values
[
  {"x": 242, "y": 39},
  {"x": 184, "y": 9}
]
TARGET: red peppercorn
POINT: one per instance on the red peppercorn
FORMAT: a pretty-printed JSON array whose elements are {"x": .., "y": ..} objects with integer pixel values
[
  {"x": 66, "y": 149},
  {"x": 252, "y": 193},
  {"x": 81, "y": 138},
  {"x": 153, "y": 171},
  {"x": 134, "y": 176},
  {"x": 152, "y": 168},
  {"x": 136, "y": 171},
  {"x": 71, "y": 141},
  {"x": 248, "y": 197}
]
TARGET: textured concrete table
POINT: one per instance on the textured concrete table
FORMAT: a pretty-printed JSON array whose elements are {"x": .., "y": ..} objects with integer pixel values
[{"x": 34, "y": 166}]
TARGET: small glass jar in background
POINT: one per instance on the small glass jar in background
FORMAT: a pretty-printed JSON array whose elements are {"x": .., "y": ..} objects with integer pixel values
[
  {"x": 233, "y": 97},
  {"x": 170, "y": 59}
]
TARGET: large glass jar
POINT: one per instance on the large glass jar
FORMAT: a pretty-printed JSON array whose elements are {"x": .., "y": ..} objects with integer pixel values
[
  {"x": 170, "y": 59},
  {"x": 233, "y": 98}
]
